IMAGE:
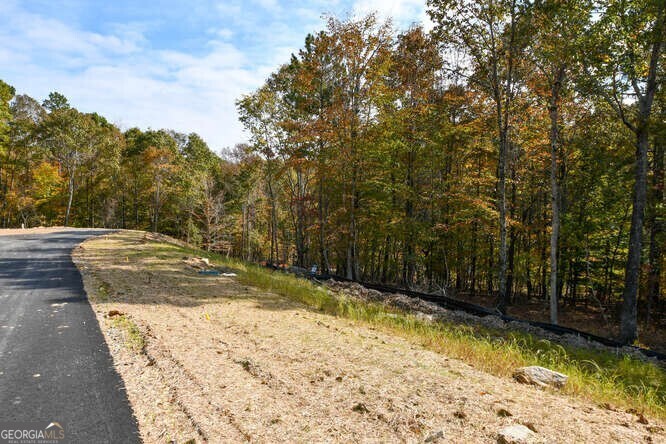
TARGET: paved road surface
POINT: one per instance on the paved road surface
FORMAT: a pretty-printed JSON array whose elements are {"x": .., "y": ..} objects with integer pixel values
[{"x": 54, "y": 363}]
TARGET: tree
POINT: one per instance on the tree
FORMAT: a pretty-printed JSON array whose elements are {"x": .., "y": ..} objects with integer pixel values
[
  {"x": 554, "y": 52},
  {"x": 656, "y": 217},
  {"x": 160, "y": 160},
  {"x": 360, "y": 51},
  {"x": 55, "y": 102},
  {"x": 74, "y": 140},
  {"x": 293, "y": 150},
  {"x": 22, "y": 155},
  {"x": 101, "y": 167},
  {"x": 64, "y": 133},
  {"x": 489, "y": 37},
  {"x": 259, "y": 112},
  {"x": 6, "y": 94},
  {"x": 626, "y": 45},
  {"x": 210, "y": 212},
  {"x": 315, "y": 84}
]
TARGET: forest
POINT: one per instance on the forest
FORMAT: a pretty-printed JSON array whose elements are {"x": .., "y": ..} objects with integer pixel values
[{"x": 513, "y": 155}]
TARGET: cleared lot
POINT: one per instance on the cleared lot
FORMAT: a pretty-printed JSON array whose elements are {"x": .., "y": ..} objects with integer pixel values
[{"x": 207, "y": 358}]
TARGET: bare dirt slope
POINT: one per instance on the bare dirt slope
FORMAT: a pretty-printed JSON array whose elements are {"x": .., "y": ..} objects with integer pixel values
[{"x": 217, "y": 361}]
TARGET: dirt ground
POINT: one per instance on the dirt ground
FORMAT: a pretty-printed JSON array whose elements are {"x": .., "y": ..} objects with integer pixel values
[{"x": 218, "y": 361}]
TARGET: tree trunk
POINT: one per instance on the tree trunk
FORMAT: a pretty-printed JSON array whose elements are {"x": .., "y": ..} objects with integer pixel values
[
  {"x": 352, "y": 252},
  {"x": 136, "y": 206},
  {"x": 629, "y": 321},
  {"x": 554, "y": 235},
  {"x": 157, "y": 207},
  {"x": 503, "y": 114},
  {"x": 122, "y": 209},
  {"x": 323, "y": 248},
  {"x": 501, "y": 203},
  {"x": 69, "y": 200},
  {"x": 656, "y": 229},
  {"x": 274, "y": 253},
  {"x": 300, "y": 220}
]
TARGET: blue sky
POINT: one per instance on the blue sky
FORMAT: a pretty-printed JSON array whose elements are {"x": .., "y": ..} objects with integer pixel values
[{"x": 164, "y": 64}]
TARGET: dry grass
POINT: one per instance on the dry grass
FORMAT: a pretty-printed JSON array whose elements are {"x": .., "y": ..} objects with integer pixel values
[
  {"x": 597, "y": 376},
  {"x": 223, "y": 361},
  {"x": 35, "y": 230}
]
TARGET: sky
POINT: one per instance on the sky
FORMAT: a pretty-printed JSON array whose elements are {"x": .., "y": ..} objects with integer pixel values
[{"x": 170, "y": 64}]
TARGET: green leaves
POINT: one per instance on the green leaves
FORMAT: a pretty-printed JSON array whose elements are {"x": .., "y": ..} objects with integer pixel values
[{"x": 6, "y": 95}]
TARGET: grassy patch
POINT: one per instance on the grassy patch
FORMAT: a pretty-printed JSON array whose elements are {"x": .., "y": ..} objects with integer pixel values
[
  {"x": 103, "y": 291},
  {"x": 134, "y": 340},
  {"x": 601, "y": 377}
]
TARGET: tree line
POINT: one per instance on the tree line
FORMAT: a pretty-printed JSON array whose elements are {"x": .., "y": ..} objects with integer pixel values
[
  {"x": 60, "y": 166},
  {"x": 516, "y": 151}
]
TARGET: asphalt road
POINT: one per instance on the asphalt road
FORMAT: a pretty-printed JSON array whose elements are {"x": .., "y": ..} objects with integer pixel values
[{"x": 54, "y": 363}]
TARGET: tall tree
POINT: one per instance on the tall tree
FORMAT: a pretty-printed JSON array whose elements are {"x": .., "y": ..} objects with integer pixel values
[
  {"x": 315, "y": 83},
  {"x": 489, "y": 39},
  {"x": 626, "y": 46},
  {"x": 64, "y": 132},
  {"x": 23, "y": 154},
  {"x": 56, "y": 101},
  {"x": 259, "y": 112},
  {"x": 360, "y": 51},
  {"x": 413, "y": 78},
  {"x": 554, "y": 52},
  {"x": 161, "y": 161},
  {"x": 6, "y": 94}
]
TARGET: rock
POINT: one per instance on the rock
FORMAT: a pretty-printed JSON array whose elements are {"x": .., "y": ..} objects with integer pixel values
[
  {"x": 531, "y": 426},
  {"x": 435, "y": 437},
  {"x": 515, "y": 434},
  {"x": 540, "y": 376},
  {"x": 360, "y": 408}
]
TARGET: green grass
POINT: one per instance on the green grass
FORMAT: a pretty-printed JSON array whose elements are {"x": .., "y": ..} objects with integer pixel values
[
  {"x": 103, "y": 291},
  {"x": 134, "y": 340},
  {"x": 602, "y": 377}
]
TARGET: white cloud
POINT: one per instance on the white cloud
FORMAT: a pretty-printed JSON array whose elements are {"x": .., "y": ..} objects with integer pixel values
[
  {"x": 403, "y": 13},
  {"x": 132, "y": 81},
  {"x": 121, "y": 77},
  {"x": 224, "y": 34}
]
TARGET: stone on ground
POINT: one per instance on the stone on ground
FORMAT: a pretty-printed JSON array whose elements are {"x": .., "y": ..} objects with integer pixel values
[
  {"x": 515, "y": 434},
  {"x": 540, "y": 376}
]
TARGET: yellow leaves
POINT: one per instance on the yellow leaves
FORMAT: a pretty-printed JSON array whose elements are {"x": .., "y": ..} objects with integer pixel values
[{"x": 47, "y": 181}]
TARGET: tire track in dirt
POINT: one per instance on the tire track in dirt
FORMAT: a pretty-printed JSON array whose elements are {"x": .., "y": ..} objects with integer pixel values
[{"x": 189, "y": 393}]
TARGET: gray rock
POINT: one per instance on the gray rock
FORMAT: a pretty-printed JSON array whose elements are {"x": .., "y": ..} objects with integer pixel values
[
  {"x": 540, "y": 376},
  {"x": 435, "y": 437},
  {"x": 515, "y": 434}
]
